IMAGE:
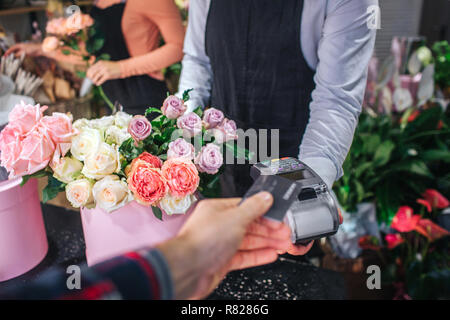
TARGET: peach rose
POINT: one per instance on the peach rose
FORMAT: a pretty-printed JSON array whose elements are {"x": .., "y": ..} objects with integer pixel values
[
  {"x": 79, "y": 193},
  {"x": 76, "y": 22},
  {"x": 26, "y": 116},
  {"x": 50, "y": 44},
  {"x": 181, "y": 176},
  {"x": 154, "y": 161},
  {"x": 146, "y": 183},
  {"x": 56, "y": 26}
]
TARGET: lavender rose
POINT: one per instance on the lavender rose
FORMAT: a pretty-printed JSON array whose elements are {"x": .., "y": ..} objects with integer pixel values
[
  {"x": 209, "y": 159},
  {"x": 212, "y": 118},
  {"x": 139, "y": 128},
  {"x": 173, "y": 107},
  {"x": 180, "y": 148},
  {"x": 225, "y": 131},
  {"x": 190, "y": 123}
]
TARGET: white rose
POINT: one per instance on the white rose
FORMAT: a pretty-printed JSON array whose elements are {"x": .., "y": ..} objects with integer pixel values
[
  {"x": 65, "y": 169},
  {"x": 80, "y": 124},
  {"x": 103, "y": 162},
  {"x": 122, "y": 119},
  {"x": 116, "y": 135},
  {"x": 79, "y": 193},
  {"x": 172, "y": 205},
  {"x": 111, "y": 193},
  {"x": 86, "y": 143},
  {"x": 402, "y": 99},
  {"x": 102, "y": 123}
]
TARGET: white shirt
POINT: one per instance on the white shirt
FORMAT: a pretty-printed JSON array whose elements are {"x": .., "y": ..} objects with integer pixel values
[{"x": 338, "y": 44}]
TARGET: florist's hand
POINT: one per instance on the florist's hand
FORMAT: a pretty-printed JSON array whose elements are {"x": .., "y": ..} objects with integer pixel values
[
  {"x": 29, "y": 49},
  {"x": 103, "y": 71},
  {"x": 221, "y": 236}
]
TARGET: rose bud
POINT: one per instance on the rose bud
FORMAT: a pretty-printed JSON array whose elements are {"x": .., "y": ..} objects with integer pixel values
[
  {"x": 173, "y": 107},
  {"x": 212, "y": 118},
  {"x": 139, "y": 128}
]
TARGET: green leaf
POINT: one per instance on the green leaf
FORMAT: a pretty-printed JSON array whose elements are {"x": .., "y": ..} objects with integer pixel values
[
  {"x": 383, "y": 153},
  {"x": 152, "y": 109},
  {"x": 363, "y": 167},
  {"x": 65, "y": 52},
  {"x": 104, "y": 56},
  {"x": 239, "y": 152},
  {"x": 370, "y": 142},
  {"x": 52, "y": 189},
  {"x": 412, "y": 166},
  {"x": 199, "y": 111},
  {"x": 186, "y": 94},
  {"x": 157, "y": 212},
  {"x": 80, "y": 74},
  {"x": 436, "y": 155},
  {"x": 39, "y": 174}
]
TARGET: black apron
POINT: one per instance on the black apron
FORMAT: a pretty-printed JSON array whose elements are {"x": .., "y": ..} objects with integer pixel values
[
  {"x": 135, "y": 93},
  {"x": 260, "y": 76}
]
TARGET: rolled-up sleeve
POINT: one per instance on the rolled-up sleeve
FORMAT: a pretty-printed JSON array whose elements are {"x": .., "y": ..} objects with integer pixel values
[
  {"x": 344, "y": 51},
  {"x": 196, "y": 72}
]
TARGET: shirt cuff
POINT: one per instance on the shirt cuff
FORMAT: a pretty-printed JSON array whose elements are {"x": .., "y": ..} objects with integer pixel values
[
  {"x": 324, "y": 167},
  {"x": 160, "y": 266}
]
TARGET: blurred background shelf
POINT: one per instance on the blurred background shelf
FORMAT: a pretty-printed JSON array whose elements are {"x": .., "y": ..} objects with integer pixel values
[{"x": 28, "y": 9}]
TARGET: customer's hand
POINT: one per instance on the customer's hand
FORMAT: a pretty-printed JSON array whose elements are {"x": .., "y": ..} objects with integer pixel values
[
  {"x": 102, "y": 71},
  {"x": 29, "y": 49},
  {"x": 219, "y": 237}
]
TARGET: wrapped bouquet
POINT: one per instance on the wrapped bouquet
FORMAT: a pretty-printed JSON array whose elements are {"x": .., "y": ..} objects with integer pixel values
[{"x": 108, "y": 162}]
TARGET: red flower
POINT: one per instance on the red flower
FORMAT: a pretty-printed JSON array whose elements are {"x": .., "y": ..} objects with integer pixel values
[
  {"x": 369, "y": 243},
  {"x": 393, "y": 240},
  {"x": 431, "y": 230},
  {"x": 437, "y": 200},
  {"x": 405, "y": 220},
  {"x": 425, "y": 203},
  {"x": 440, "y": 125},
  {"x": 413, "y": 115}
]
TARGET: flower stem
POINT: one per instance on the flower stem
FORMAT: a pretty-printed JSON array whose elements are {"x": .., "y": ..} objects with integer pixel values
[{"x": 105, "y": 98}]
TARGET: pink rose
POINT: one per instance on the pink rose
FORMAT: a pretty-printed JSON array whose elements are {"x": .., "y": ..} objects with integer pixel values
[
  {"x": 181, "y": 176},
  {"x": 59, "y": 127},
  {"x": 50, "y": 44},
  {"x": 212, "y": 118},
  {"x": 225, "y": 131},
  {"x": 209, "y": 159},
  {"x": 190, "y": 123},
  {"x": 26, "y": 116},
  {"x": 36, "y": 150},
  {"x": 10, "y": 146},
  {"x": 139, "y": 128},
  {"x": 180, "y": 148},
  {"x": 173, "y": 107}
]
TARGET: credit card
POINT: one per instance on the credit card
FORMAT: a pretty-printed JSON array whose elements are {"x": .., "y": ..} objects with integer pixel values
[{"x": 284, "y": 193}]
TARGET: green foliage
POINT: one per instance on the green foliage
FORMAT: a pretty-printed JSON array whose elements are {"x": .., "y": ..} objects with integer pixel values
[
  {"x": 392, "y": 161},
  {"x": 39, "y": 174},
  {"x": 186, "y": 94},
  {"x": 442, "y": 62},
  {"x": 157, "y": 212},
  {"x": 52, "y": 189}
]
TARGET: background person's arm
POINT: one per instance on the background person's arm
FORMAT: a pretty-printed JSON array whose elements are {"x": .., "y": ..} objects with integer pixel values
[
  {"x": 166, "y": 16},
  {"x": 196, "y": 72},
  {"x": 344, "y": 51}
]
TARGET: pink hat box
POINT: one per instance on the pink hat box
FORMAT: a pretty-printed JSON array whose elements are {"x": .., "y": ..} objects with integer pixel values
[
  {"x": 23, "y": 241},
  {"x": 131, "y": 227}
]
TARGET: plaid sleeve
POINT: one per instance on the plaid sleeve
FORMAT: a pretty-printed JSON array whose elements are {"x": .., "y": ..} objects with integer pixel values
[{"x": 142, "y": 274}]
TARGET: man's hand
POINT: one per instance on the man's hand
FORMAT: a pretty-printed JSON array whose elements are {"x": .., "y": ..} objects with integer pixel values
[
  {"x": 219, "y": 237},
  {"x": 103, "y": 71}
]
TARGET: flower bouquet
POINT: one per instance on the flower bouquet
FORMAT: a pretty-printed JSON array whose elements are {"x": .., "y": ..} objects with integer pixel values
[{"x": 122, "y": 165}]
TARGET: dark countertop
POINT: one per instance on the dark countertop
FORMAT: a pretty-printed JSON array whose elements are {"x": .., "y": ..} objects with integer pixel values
[{"x": 286, "y": 279}]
